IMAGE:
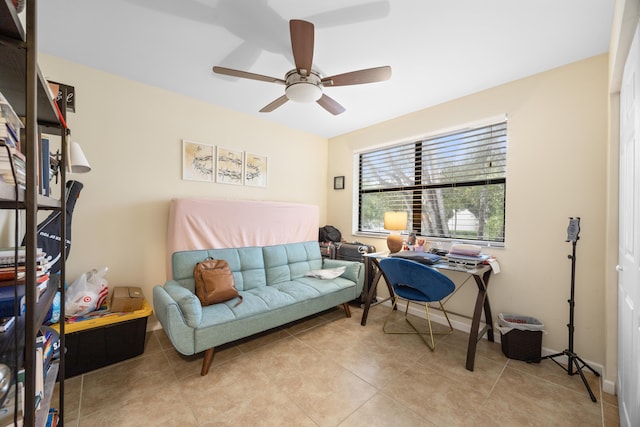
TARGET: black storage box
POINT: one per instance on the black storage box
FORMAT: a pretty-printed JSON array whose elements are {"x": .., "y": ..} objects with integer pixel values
[
  {"x": 522, "y": 345},
  {"x": 103, "y": 341},
  {"x": 521, "y": 337}
]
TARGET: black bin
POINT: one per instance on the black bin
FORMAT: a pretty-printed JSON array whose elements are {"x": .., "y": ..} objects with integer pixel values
[{"x": 521, "y": 337}]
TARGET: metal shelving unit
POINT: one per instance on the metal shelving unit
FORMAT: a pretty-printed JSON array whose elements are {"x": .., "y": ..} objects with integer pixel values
[{"x": 22, "y": 83}]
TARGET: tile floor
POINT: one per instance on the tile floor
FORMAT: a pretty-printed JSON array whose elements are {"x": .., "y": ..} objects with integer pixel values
[{"x": 328, "y": 370}]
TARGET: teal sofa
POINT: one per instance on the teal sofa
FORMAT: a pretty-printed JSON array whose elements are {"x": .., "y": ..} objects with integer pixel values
[{"x": 276, "y": 289}]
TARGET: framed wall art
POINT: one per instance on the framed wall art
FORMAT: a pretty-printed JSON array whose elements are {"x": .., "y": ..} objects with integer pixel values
[
  {"x": 255, "y": 170},
  {"x": 197, "y": 161},
  {"x": 229, "y": 166},
  {"x": 338, "y": 182}
]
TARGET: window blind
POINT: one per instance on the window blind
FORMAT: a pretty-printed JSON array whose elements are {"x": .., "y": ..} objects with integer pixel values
[{"x": 452, "y": 186}]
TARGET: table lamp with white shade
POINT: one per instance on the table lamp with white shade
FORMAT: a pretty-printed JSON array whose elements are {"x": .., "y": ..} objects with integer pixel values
[{"x": 395, "y": 222}]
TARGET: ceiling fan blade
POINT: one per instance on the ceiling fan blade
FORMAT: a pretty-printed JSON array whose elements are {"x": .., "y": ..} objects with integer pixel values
[
  {"x": 275, "y": 104},
  {"x": 331, "y": 105},
  {"x": 370, "y": 75},
  {"x": 246, "y": 75},
  {"x": 302, "y": 40}
]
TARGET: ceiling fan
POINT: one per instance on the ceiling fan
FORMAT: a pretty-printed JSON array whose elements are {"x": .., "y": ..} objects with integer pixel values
[{"x": 303, "y": 84}]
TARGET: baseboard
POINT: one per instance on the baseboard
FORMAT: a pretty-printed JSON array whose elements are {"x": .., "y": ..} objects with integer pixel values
[{"x": 609, "y": 386}]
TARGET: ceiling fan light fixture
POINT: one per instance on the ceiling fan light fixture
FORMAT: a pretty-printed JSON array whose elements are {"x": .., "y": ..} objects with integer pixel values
[{"x": 303, "y": 92}]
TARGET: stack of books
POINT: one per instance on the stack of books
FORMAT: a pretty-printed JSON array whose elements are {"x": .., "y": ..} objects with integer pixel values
[
  {"x": 465, "y": 255},
  {"x": 10, "y": 126},
  {"x": 12, "y": 278}
]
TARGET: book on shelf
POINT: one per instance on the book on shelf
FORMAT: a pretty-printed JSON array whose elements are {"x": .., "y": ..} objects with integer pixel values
[
  {"x": 8, "y": 298},
  {"x": 8, "y": 255},
  {"x": 45, "y": 167},
  {"x": 11, "y": 118},
  {"x": 52, "y": 418},
  {"x": 39, "y": 375},
  {"x": 9, "y": 155},
  {"x": 22, "y": 250},
  {"x": 8, "y": 135},
  {"x": 42, "y": 282},
  {"x": 7, "y": 323},
  {"x": 9, "y": 272}
]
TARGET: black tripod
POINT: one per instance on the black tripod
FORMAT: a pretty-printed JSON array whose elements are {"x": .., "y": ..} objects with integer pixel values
[{"x": 572, "y": 357}]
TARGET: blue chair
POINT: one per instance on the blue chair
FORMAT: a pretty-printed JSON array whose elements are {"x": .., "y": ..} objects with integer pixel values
[{"x": 417, "y": 283}]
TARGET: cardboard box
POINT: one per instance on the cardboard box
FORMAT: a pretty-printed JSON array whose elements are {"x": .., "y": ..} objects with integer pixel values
[{"x": 126, "y": 298}]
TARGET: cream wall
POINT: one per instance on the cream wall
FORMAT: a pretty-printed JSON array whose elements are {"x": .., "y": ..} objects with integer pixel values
[
  {"x": 556, "y": 169},
  {"x": 131, "y": 133}
]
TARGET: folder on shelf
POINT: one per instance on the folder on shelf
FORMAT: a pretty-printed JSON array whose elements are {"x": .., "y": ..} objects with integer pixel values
[{"x": 7, "y": 298}]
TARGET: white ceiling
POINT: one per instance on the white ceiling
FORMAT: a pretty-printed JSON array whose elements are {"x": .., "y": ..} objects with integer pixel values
[{"x": 438, "y": 49}]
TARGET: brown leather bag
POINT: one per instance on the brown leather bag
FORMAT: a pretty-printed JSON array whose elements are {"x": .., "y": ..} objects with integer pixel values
[{"x": 214, "y": 282}]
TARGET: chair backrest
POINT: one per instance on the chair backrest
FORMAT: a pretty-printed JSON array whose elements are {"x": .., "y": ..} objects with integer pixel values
[{"x": 415, "y": 281}]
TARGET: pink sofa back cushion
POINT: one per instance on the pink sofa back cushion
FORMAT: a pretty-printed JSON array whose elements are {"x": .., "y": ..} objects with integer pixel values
[{"x": 217, "y": 223}]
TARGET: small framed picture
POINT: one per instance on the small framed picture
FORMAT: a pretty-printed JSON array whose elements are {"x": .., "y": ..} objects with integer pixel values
[
  {"x": 197, "y": 161},
  {"x": 255, "y": 170},
  {"x": 229, "y": 166},
  {"x": 338, "y": 182}
]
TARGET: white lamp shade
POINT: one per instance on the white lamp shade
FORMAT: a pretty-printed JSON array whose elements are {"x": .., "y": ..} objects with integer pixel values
[
  {"x": 77, "y": 160},
  {"x": 395, "y": 220},
  {"x": 303, "y": 92}
]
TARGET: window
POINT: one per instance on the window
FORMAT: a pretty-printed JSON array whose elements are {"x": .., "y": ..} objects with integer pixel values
[{"x": 452, "y": 186}]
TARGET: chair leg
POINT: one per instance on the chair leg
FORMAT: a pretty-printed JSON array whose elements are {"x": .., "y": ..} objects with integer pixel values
[
  {"x": 206, "y": 363},
  {"x": 393, "y": 307},
  {"x": 446, "y": 316},
  {"x": 432, "y": 346},
  {"x": 347, "y": 310},
  {"x": 430, "y": 342}
]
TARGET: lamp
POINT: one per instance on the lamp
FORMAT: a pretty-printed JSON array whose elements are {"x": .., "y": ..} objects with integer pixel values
[
  {"x": 76, "y": 163},
  {"x": 395, "y": 221},
  {"x": 303, "y": 88}
]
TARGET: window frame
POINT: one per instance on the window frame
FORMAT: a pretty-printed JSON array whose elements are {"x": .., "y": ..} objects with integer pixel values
[{"x": 419, "y": 187}]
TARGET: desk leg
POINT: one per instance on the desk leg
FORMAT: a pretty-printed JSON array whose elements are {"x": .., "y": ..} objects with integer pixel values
[
  {"x": 369, "y": 297},
  {"x": 487, "y": 307},
  {"x": 371, "y": 284},
  {"x": 482, "y": 301}
]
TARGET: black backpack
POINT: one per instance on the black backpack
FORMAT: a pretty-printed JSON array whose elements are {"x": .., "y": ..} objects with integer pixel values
[
  {"x": 49, "y": 229},
  {"x": 329, "y": 233}
]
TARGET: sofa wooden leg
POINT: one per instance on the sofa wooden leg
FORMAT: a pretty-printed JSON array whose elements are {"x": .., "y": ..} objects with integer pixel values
[
  {"x": 206, "y": 363},
  {"x": 347, "y": 310}
]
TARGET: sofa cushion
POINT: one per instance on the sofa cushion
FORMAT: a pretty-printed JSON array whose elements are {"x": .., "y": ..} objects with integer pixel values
[
  {"x": 255, "y": 301},
  {"x": 268, "y": 298},
  {"x": 289, "y": 262},
  {"x": 246, "y": 264}
]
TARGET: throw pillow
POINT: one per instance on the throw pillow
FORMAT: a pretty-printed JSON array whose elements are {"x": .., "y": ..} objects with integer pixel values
[{"x": 326, "y": 273}]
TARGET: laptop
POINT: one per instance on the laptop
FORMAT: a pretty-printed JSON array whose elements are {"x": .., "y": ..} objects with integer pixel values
[{"x": 421, "y": 257}]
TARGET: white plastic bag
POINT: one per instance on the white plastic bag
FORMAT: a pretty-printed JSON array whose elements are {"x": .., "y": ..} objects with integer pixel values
[{"x": 87, "y": 293}]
